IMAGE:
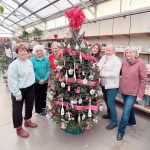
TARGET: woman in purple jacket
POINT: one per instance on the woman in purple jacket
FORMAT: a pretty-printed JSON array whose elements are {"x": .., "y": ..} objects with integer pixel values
[{"x": 132, "y": 87}]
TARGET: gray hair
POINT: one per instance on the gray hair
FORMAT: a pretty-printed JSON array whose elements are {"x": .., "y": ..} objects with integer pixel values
[
  {"x": 36, "y": 47},
  {"x": 55, "y": 44},
  {"x": 135, "y": 50},
  {"x": 110, "y": 46}
]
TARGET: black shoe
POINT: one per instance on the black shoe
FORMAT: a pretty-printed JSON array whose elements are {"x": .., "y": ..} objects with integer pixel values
[
  {"x": 111, "y": 126},
  {"x": 106, "y": 116},
  {"x": 131, "y": 125},
  {"x": 119, "y": 137}
]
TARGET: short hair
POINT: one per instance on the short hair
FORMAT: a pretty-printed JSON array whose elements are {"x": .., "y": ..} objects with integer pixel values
[
  {"x": 36, "y": 47},
  {"x": 110, "y": 46},
  {"x": 21, "y": 46},
  {"x": 55, "y": 44},
  {"x": 132, "y": 48}
]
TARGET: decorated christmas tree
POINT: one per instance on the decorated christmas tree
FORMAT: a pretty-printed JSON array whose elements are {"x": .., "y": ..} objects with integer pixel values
[{"x": 74, "y": 89}]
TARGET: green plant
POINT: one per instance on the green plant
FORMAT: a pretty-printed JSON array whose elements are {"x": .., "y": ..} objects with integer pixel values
[{"x": 36, "y": 32}]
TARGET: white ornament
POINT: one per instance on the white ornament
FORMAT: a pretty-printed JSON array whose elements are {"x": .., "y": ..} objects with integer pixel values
[
  {"x": 77, "y": 47},
  {"x": 62, "y": 109},
  {"x": 89, "y": 111},
  {"x": 59, "y": 68},
  {"x": 68, "y": 88},
  {"x": 70, "y": 71},
  {"x": 83, "y": 116},
  {"x": 91, "y": 77},
  {"x": 80, "y": 101},
  {"x": 100, "y": 108},
  {"x": 85, "y": 81},
  {"x": 92, "y": 92},
  {"x": 72, "y": 118},
  {"x": 80, "y": 58},
  {"x": 68, "y": 46},
  {"x": 63, "y": 84},
  {"x": 99, "y": 93},
  {"x": 95, "y": 120},
  {"x": 66, "y": 76},
  {"x": 79, "y": 118}
]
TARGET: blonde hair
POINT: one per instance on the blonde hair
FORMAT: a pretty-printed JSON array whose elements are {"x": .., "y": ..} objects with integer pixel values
[{"x": 55, "y": 44}]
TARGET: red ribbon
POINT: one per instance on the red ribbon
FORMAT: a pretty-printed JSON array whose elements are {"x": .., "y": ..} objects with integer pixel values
[
  {"x": 76, "y": 107},
  {"x": 72, "y": 52}
]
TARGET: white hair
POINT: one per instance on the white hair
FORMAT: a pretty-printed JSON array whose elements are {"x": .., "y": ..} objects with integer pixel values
[
  {"x": 133, "y": 49},
  {"x": 55, "y": 44},
  {"x": 36, "y": 47},
  {"x": 110, "y": 46}
]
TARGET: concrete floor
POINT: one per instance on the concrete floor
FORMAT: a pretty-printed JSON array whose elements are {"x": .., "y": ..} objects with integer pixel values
[{"x": 49, "y": 136}]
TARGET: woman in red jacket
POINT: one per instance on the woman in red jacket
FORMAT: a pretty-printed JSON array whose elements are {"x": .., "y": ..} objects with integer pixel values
[
  {"x": 132, "y": 87},
  {"x": 56, "y": 53}
]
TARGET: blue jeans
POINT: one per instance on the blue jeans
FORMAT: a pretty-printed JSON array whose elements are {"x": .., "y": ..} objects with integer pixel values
[
  {"x": 128, "y": 113},
  {"x": 111, "y": 99}
]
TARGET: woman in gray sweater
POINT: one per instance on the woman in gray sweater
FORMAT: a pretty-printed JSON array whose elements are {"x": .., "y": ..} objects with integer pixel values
[{"x": 21, "y": 79}]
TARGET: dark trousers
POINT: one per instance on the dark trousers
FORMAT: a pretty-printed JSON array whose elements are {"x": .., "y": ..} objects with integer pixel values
[
  {"x": 17, "y": 106},
  {"x": 105, "y": 99},
  {"x": 40, "y": 97}
]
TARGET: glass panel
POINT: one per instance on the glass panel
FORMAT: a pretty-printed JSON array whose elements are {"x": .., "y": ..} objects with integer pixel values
[
  {"x": 10, "y": 4},
  {"x": 23, "y": 11},
  {"x": 134, "y": 4},
  {"x": 8, "y": 22},
  {"x": 20, "y": 1},
  {"x": 62, "y": 5},
  {"x": 60, "y": 21},
  {"x": 108, "y": 8},
  {"x": 22, "y": 23},
  {"x": 48, "y": 11},
  {"x": 14, "y": 18},
  {"x": 50, "y": 24},
  {"x": 75, "y": 1},
  {"x": 88, "y": 14},
  {"x": 1, "y": 18},
  {"x": 35, "y": 5},
  {"x": 28, "y": 20},
  {"x": 4, "y": 30},
  {"x": 41, "y": 26},
  {"x": 34, "y": 18}
]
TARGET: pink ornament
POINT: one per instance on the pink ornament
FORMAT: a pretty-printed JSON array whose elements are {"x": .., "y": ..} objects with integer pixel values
[{"x": 78, "y": 90}]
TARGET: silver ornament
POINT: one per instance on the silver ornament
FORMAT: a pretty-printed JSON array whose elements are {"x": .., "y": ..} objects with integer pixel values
[
  {"x": 70, "y": 71},
  {"x": 63, "y": 84},
  {"x": 85, "y": 81}
]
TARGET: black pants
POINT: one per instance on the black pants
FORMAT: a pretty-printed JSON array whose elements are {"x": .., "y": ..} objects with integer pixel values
[
  {"x": 40, "y": 97},
  {"x": 17, "y": 106},
  {"x": 105, "y": 99}
]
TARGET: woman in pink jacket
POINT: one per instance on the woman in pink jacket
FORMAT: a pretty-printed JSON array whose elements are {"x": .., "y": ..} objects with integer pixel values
[{"x": 132, "y": 87}]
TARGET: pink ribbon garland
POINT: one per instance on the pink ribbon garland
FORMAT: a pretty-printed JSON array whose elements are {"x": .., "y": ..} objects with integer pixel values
[
  {"x": 76, "y": 107},
  {"x": 71, "y": 80},
  {"x": 87, "y": 57}
]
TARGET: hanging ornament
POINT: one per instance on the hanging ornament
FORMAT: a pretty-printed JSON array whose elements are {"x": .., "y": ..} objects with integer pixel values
[
  {"x": 79, "y": 118},
  {"x": 69, "y": 45},
  {"x": 68, "y": 88},
  {"x": 64, "y": 63},
  {"x": 77, "y": 90},
  {"x": 91, "y": 77},
  {"x": 72, "y": 118},
  {"x": 100, "y": 108},
  {"x": 83, "y": 116},
  {"x": 59, "y": 68},
  {"x": 92, "y": 91},
  {"x": 80, "y": 101},
  {"x": 85, "y": 81},
  {"x": 69, "y": 115},
  {"x": 89, "y": 111},
  {"x": 80, "y": 57},
  {"x": 63, "y": 125},
  {"x": 62, "y": 108},
  {"x": 95, "y": 120},
  {"x": 63, "y": 84},
  {"x": 66, "y": 76},
  {"x": 74, "y": 75},
  {"x": 55, "y": 62},
  {"x": 76, "y": 66},
  {"x": 77, "y": 47},
  {"x": 83, "y": 73},
  {"x": 50, "y": 96},
  {"x": 99, "y": 93},
  {"x": 70, "y": 71}
]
